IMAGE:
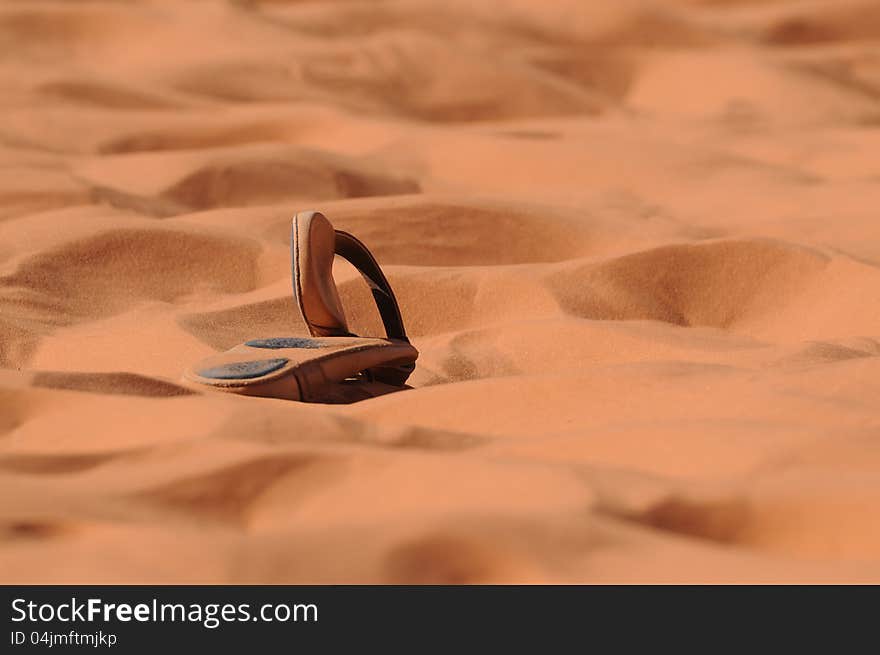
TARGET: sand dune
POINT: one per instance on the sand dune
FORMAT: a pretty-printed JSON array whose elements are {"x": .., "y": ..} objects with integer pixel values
[{"x": 636, "y": 244}]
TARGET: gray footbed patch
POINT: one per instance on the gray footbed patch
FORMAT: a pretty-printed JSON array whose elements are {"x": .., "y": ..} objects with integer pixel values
[
  {"x": 285, "y": 342},
  {"x": 243, "y": 370}
]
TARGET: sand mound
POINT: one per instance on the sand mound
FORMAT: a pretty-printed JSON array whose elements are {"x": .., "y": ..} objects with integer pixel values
[
  {"x": 398, "y": 74},
  {"x": 420, "y": 231},
  {"x": 102, "y": 94},
  {"x": 112, "y": 383},
  {"x": 257, "y": 175},
  {"x": 109, "y": 271},
  {"x": 635, "y": 244},
  {"x": 719, "y": 284},
  {"x": 195, "y": 136},
  {"x": 54, "y": 30},
  {"x": 243, "y": 183},
  {"x": 223, "y": 329},
  {"x": 840, "y": 22}
]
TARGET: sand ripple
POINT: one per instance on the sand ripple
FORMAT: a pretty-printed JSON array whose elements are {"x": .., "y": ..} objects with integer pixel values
[{"x": 635, "y": 242}]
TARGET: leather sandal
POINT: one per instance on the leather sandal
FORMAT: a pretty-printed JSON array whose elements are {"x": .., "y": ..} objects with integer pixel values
[{"x": 332, "y": 365}]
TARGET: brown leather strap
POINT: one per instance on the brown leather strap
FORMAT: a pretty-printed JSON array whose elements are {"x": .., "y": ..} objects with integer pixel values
[
  {"x": 357, "y": 254},
  {"x": 314, "y": 243}
]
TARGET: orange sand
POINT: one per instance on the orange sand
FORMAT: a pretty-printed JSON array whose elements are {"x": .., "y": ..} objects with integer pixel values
[{"x": 636, "y": 242}]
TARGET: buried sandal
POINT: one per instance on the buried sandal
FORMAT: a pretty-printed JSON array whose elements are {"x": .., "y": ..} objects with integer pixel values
[{"x": 333, "y": 365}]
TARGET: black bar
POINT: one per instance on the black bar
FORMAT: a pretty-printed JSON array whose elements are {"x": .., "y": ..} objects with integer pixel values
[{"x": 415, "y": 619}]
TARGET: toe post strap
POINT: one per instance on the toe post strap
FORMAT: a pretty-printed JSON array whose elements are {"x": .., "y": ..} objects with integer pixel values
[{"x": 314, "y": 244}]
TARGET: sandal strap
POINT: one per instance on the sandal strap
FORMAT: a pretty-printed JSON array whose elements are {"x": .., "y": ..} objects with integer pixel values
[
  {"x": 312, "y": 237},
  {"x": 358, "y": 255}
]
